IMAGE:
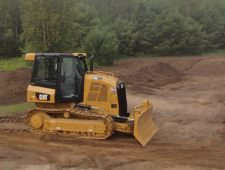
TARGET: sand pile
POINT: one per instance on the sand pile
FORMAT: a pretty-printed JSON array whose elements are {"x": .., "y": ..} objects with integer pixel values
[{"x": 13, "y": 86}]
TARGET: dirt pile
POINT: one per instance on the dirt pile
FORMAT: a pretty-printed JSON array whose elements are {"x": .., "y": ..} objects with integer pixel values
[
  {"x": 145, "y": 75},
  {"x": 13, "y": 86},
  {"x": 211, "y": 67}
]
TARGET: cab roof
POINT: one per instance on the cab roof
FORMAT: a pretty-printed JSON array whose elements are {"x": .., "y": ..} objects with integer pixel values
[{"x": 31, "y": 56}]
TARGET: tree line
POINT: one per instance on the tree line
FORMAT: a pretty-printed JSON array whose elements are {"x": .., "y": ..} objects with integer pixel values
[{"x": 111, "y": 29}]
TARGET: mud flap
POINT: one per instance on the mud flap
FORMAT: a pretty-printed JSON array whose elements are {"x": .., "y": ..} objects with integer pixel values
[{"x": 144, "y": 127}]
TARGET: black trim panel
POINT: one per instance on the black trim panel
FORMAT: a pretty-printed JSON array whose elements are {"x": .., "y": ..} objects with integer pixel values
[{"x": 122, "y": 100}]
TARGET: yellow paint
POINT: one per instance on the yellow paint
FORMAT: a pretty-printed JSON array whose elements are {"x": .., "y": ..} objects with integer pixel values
[
  {"x": 30, "y": 57},
  {"x": 37, "y": 120},
  {"x": 32, "y": 90},
  {"x": 102, "y": 80},
  {"x": 123, "y": 127},
  {"x": 75, "y": 125},
  {"x": 144, "y": 126},
  {"x": 80, "y": 54}
]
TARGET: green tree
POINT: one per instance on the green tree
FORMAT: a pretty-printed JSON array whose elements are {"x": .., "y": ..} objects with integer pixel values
[
  {"x": 10, "y": 28},
  {"x": 162, "y": 27},
  {"x": 84, "y": 18},
  {"x": 166, "y": 32},
  {"x": 211, "y": 16},
  {"x": 103, "y": 43},
  {"x": 126, "y": 36},
  {"x": 176, "y": 34},
  {"x": 47, "y": 25}
]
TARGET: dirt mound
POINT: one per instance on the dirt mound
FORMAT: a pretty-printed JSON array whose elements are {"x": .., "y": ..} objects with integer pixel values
[
  {"x": 212, "y": 67},
  {"x": 13, "y": 86},
  {"x": 145, "y": 75}
]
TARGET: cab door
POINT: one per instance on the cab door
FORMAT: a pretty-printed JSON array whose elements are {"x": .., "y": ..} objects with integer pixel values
[{"x": 71, "y": 80}]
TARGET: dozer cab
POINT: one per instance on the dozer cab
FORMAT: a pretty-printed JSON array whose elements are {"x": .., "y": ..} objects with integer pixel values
[{"x": 72, "y": 100}]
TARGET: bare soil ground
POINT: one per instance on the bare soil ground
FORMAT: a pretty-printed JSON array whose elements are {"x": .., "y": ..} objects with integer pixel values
[
  {"x": 188, "y": 94},
  {"x": 13, "y": 86}
]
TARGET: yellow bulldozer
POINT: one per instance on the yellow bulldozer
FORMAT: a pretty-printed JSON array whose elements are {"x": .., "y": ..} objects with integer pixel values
[{"x": 74, "y": 100}]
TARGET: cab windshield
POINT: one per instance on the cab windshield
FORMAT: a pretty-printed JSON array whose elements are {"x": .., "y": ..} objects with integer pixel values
[{"x": 45, "y": 71}]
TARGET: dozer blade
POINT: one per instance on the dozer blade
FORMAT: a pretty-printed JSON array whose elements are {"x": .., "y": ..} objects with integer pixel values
[{"x": 144, "y": 126}]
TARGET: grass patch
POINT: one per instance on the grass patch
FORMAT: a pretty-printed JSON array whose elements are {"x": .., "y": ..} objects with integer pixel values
[
  {"x": 13, "y": 63},
  {"x": 8, "y": 110}
]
